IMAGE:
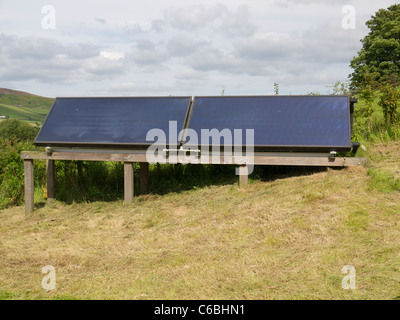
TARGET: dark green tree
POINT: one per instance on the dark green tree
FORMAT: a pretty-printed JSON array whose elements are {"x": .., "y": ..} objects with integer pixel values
[
  {"x": 379, "y": 58},
  {"x": 16, "y": 131}
]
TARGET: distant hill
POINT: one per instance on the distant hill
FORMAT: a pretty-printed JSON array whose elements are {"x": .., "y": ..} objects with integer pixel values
[{"x": 23, "y": 106}]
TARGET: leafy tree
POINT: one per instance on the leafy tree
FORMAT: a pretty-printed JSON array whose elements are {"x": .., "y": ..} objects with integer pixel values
[
  {"x": 276, "y": 88},
  {"x": 379, "y": 58},
  {"x": 389, "y": 103},
  {"x": 339, "y": 88},
  {"x": 368, "y": 95},
  {"x": 16, "y": 131}
]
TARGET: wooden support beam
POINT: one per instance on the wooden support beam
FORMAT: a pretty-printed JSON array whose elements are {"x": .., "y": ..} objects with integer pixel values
[
  {"x": 29, "y": 187},
  {"x": 258, "y": 159},
  {"x": 243, "y": 176},
  {"x": 84, "y": 156},
  {"x": 144, "y": 177},
  {"x": 128, "y": 182},
  {"x": 51, "y": 189}
]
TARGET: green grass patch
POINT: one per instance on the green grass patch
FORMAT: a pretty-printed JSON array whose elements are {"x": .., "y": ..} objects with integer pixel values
[
  {"x": 358, "y": 220},
  {"x": 383, "y": 180}
]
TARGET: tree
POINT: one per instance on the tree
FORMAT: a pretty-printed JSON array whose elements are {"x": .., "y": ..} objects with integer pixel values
[
  {"x": 379, "y": 58},
  {"x": 276, "y": 88},
  {"x": 16, "y": 131},
  {"x": 389, "y": 103},
  {"x": 339, "y": 88}
]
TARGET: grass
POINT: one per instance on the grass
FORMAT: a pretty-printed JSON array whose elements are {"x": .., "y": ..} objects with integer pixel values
[
  {"x": 24, "y": 106},
  {"x": 286, "y": 238}
]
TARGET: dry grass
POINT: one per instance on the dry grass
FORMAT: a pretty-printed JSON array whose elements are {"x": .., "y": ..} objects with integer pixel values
[{"x": 284, "y": 239}]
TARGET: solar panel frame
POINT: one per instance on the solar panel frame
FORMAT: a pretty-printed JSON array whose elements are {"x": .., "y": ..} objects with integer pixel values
[
  {"x": 108, "y": 145},
  {"x": 278, "y": 148}
]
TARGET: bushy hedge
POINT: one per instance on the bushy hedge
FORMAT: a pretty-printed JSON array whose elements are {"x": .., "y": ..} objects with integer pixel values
[
  {"x": 14, "y": 131},
  {"x": 377, "y": 114}
]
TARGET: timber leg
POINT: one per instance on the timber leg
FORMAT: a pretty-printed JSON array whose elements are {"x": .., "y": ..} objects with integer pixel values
[
  {"x": 128, "y": 182},
  {"x": 243, "y": 176},
  {"x": 29, "y": 187},
  {"x": 51, "y": 190},
  {"x": 144, "y": 177}
]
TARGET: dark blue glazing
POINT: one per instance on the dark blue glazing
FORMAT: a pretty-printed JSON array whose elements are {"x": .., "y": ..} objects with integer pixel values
[
  {"x": 75, "y": 121},
  {"x": 278, "y": 121}
]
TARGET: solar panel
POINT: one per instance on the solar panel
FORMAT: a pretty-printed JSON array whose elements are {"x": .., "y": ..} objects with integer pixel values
[
  {"x": 280, "y": 123},
  {"x": 122, "y": 121}
]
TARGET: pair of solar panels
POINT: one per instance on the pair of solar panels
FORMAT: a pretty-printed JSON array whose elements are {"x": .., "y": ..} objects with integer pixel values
[{"x": 280, "y": 123}]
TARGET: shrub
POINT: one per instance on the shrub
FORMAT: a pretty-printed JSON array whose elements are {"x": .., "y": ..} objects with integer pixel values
[
  {"x": 17, "y": 131},
  {"x": 12, "y": 172},
  {"x": 389, "y": 102}
]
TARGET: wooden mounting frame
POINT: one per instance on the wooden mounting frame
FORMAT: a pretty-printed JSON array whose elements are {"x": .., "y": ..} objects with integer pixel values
[{"x": 131, "y": 157}]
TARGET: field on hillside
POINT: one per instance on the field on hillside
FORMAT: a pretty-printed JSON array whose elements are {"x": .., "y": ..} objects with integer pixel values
[
  {"x": 24, "y": 106},
  {"x": 286, "y": 238}
]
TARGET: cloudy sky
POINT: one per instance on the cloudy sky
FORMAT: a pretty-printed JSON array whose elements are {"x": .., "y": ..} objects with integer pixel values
[{"x": 171, "y": 47}]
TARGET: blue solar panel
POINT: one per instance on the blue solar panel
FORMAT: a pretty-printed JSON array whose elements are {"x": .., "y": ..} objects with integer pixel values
[
  {"x": 110, "y": 121},
  {"x": 320, "y": 123}
]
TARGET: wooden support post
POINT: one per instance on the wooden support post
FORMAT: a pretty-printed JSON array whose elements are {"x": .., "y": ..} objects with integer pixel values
[
  {"x": 128, "y": 181},
  {"x": 51, "y": 188},
  {"x": 243, "y": 176},
  {"x": 29, "y": 187},
  {"x": 144, "y": 177}
]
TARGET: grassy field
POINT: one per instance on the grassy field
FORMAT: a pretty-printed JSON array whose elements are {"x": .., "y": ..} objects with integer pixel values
[
  {"x": 24, "y": 106},
  {"x": 285, "y": 238}
]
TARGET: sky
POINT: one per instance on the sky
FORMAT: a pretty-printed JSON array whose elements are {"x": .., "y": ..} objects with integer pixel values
[{"x": 181, "y": 48}]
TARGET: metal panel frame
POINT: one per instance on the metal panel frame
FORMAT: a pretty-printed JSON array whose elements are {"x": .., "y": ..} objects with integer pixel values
[
  {"x": 297, "y": 148},
  {"x": 107, "y": 145}
]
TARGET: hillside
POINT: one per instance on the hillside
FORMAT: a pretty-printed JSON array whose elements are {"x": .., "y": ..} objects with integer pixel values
[
  {"x": 24, "y": 106},
  {"x": 285, "y": 238}
]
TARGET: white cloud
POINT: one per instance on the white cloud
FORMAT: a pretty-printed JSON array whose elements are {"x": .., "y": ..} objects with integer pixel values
[
  {"x": 131, "y": 88},
  {"x": 46, "y": 60},
  {"x": 190, "y": 74},
  {"x": 286, "y": 3},
  {"x": 105, "y": 65},
  {"x": 193, "y": 17}
]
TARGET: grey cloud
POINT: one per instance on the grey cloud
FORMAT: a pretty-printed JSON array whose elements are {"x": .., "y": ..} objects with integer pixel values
[
  {"x": 133, "y": 30},
  {"x": 43, "y": 48},
  {"x": 40, "y": 70},
  {"x": 101, "y": 20},
  {"x": 182, "y": 46},
  {"x": 287, "y": 3},
  {"x": 194, "y": 17},
  {"x": 292, "y": 56},
  {"x": 46, "y": 60},
  {"x": 146, "y": 52},
  {"x": 224, "y": 61},
  {"x": 82, "y": 51},
  {"x": 159, "y": 25},
  {"x": 238, "y": 24},
  {"x": 130, "y": 88},
  {"x": 101, "y": 68},
  {"x": 29, "y": 47},
  {"x": 325, "y": 44},
  {"x": 329, "y": 43},
  {"x": 267, "y": 47},
  {"x": 190, "y": 74},
  {"x": 218, "y": 18}
]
